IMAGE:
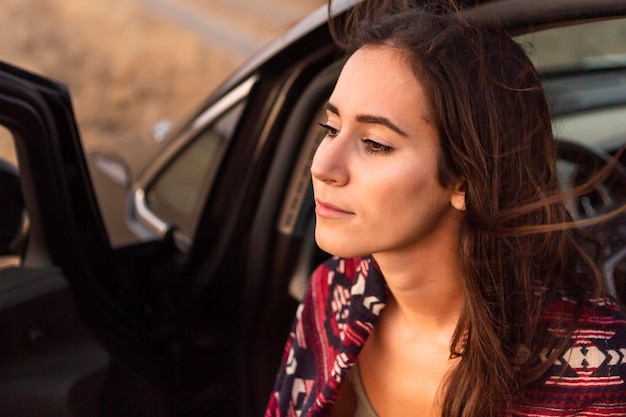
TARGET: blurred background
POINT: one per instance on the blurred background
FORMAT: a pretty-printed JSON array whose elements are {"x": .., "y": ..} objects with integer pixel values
[{"x": 132, "y": 63}]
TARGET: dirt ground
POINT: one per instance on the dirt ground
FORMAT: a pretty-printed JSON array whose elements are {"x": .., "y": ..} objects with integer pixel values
[{"x": 126, "y": 67}]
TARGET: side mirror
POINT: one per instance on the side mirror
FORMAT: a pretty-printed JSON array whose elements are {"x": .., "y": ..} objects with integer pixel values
[
  {"x": 12, "y": 209},
  {"x": 161, "y": 130}
]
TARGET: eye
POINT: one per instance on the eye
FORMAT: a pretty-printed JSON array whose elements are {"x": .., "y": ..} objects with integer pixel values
[
  {"x": 331, "y": 132},
  {"x": 375, "y": 147}
]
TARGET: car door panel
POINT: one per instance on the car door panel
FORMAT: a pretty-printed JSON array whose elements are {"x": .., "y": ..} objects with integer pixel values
[
  {"x": 51, "y": 364},
  {"x": 119, "y": 347}
]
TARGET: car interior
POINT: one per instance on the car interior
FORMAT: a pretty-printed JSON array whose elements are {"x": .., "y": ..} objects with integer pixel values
[
  {"x": 578, "y": 99},
  {"x": 584, "y": 146}
]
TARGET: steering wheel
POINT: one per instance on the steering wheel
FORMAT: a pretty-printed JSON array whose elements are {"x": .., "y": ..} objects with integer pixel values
[{"x": 578, "y": 164}]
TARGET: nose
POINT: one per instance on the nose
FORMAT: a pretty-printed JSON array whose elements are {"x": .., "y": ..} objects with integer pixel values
[{"x": 329, "y": 162}]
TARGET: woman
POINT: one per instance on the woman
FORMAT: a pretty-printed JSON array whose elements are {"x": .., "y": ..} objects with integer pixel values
[{"x": 457, "y": 288}]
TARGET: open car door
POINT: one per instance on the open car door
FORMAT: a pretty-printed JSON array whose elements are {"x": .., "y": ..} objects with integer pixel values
[
  {"x": 50, "y": 362},
  {"x": 56, "y": 313}
]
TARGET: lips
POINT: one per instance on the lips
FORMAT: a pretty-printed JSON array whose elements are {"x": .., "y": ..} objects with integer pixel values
[{"x": 325, "y": 209}]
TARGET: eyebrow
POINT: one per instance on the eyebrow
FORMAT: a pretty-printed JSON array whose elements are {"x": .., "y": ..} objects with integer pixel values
[{"x": 370, "y": 119}]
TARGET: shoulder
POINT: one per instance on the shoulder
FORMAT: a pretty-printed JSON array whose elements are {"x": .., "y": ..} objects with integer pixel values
[
  {"x": 607, "y": 309},
  {"x": 602, "y": 326},
  {"x": 333, "y": 282},
  {"x": 333, "y": 321},
  {"x": 598, "y": 341},
  {"x": 590, "y": 374},
  {"x": 596, "y": 318},
  {"x": 601, "y": 330},
  {"x": 346, "y": 291}
]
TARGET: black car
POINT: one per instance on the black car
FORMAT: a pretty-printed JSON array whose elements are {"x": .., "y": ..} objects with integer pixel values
[{"x": 183, "y": 306}]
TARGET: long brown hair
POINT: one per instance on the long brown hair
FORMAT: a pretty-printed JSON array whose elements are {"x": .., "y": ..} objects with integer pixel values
[{"x": 517, "y": 246}]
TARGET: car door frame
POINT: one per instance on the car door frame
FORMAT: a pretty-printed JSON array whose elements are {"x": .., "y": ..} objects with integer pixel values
[{"x": 48, "y": 346}]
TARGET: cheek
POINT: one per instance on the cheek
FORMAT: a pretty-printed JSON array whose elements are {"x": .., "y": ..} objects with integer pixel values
[
  {"x": 408, "y": 193},
  {"x": 406, "y": 182}
]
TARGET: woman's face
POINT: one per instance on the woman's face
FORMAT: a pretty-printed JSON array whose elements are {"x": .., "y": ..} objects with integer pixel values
[{"x": 375, "y": 173}]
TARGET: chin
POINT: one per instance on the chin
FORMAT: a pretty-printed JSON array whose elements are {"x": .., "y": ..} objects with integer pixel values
[{"x": 339, "y": 247}]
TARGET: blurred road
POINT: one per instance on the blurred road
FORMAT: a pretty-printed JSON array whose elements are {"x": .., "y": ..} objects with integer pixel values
[
  {"x": 129, "y": 64},
  {"x": 239, "y": 26},
  {"x": 234, "y": 28}
]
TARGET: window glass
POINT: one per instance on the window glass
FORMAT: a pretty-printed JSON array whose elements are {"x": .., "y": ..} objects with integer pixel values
[
  {"x": 7, "y": 149},
  {"x": 603, "y": 128},
  {"x": 178, "y": 192},
  {"x": 589, "y": 105},
  {"x": 13, "y": 218},
  {"x": 600, "y": 44}
]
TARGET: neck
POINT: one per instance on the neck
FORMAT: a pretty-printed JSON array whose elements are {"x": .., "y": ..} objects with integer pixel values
[{"x": 426, "y": 289}]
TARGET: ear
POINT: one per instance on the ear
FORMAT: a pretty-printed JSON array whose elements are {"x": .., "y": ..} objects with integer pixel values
[{"x": 458, "y": 197}]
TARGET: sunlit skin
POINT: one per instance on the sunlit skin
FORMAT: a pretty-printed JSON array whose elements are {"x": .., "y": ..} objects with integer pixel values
[{"x": 377, "y": 192}]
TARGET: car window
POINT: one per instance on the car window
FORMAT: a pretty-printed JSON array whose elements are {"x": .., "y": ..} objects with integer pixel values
[
  {"x": 177, "y": 192},
  {"x": 7, "y": 149},
  {"x": 600, "y": 44},
  {"x": 583, "y": 67},
  {"x": 11, "y": 239},
  {"x": 603, "y": 128}
]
